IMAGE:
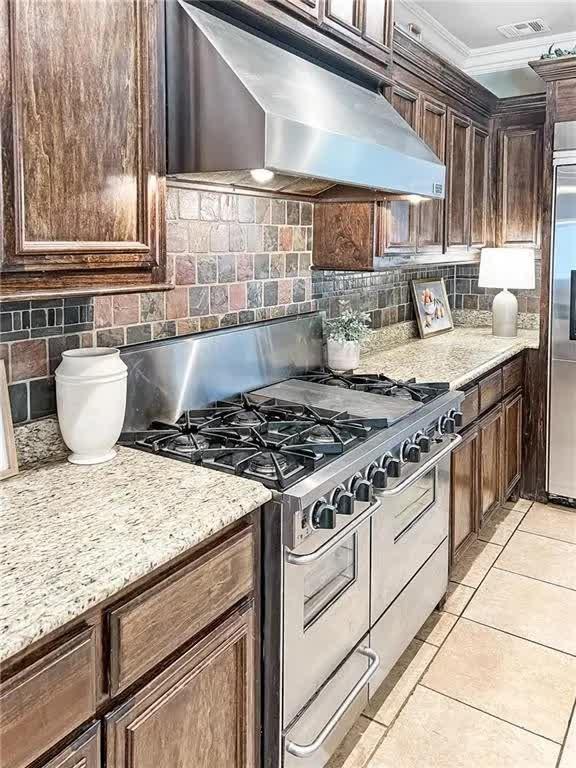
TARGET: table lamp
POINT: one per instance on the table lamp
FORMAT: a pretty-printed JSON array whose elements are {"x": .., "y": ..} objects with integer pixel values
[{"x": 506, "y": 268}]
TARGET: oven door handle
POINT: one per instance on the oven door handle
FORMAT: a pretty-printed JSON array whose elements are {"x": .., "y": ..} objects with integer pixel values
[
  {"x": 422, "y": 470},
  {"x": 305, "y": 750},
  {"x": 343, "y": 533}
]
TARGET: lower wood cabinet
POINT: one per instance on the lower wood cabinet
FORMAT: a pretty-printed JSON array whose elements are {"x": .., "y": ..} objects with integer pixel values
[
  {"x": 464, "y": 492},
  {"x": 512, "y": 416},
  {"x": 490, "y": 430},
  {"x": 198, "y": 713},
  {"x": 84, "y": 752}
]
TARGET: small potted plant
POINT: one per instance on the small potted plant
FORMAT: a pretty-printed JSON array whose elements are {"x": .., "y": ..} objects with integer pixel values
[{"x": 344, "y": 336}]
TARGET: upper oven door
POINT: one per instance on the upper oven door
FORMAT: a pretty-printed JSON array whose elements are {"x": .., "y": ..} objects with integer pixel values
[
  {"x": 408, "y": 529},
  {"x": 326, "y": 607}
]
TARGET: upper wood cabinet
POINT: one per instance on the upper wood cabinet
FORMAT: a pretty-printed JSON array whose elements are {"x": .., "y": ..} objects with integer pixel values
[
  {"x": 310, "y": 8},
  {"x": 519, "y": 186},
  {"x": 479, "y": 188},
  {"x": 431, "y": 212},
  {"x": 458, "y": 170},
  {"x": 368, "y": 23},
  {"x": 82, "y": 144}
]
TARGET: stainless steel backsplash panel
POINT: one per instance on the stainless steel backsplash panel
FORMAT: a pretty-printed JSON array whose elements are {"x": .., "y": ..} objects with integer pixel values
[{"x": 169, "y": 376}]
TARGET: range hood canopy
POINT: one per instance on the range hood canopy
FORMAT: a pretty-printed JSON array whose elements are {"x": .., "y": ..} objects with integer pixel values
[{"x": 237, "y": 102}]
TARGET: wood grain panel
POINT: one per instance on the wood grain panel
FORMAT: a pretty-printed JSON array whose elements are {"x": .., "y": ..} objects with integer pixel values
[
  {"x": 464, "y": 493},
  {"x": 512, "y": 375},
  {"x": 490, "y": 390},
  {"x": 491, "y": 453},
  {"x": 431, "y": 212},
  {"x": 479, "y": 188},
  {"x": 44, "y": 702},
  {"x": 81, "y": 160},
  {"x": 520, "y": 163},
  {"x": 343, "y": 236},
  {"x": 459, "y": 167},
  {"x": 84, "y": 752},
  {"x": 470, "y": 406},
  {"x": 565, "y": 98},
  {"x": 199, "y": 713},
  {"x": 152, "y": 625},
  {"x": 377, "y": 22},
  {"x": 512, "y": 415}
]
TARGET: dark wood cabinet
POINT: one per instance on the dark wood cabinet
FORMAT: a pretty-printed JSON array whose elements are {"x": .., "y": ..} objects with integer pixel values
[
  {"x": 81, "y": 120},
  {"x": 464, "y": 492},
  {"x": 491, "y": 433},
  {"x": 309, "y": 8},
  {"x": 512, "y": 417},
  {"x": 198, "y": 713},
  {"x": 84, "y": 752},
  {"x": 519, "y": 186},
  {"x": 368, "y": 23},
  {"x": 479, "y": 187},
  {"x": 458, "y": 170},
  {"x": 431, "y": 212}
]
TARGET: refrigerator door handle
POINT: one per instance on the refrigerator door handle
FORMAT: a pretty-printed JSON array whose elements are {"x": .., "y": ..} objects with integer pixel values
[{"x": 572, "y": 301}]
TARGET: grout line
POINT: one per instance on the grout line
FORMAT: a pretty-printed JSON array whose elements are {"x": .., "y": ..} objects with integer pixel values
[
  {"x": 544, "y": 536},
  {"x": 571, "y": 720},
  {"x": 491, "y": 714},
  {"x": 535, "y": 578},
  {"x": 520, "y": 637}
]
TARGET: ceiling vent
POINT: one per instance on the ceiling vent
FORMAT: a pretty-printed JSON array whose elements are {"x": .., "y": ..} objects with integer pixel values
[{"x": 523, "y": 28}]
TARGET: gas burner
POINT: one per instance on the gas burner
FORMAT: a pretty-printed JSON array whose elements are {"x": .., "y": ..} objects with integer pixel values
[
  {"x": 264, "y": 463},
  {"x": 320, "y": 434},
  {"x": 244, "y": 419},
  {"x": 187, "y": 443},
  {"x": 378, "y": 384}
]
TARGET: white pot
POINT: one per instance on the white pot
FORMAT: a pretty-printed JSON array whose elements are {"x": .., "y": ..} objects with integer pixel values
[
  {"x": 91, "y": 401},
  {"x": 343, "y": 355}
]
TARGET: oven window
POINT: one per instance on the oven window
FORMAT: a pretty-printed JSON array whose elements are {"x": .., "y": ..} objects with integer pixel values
[
  {"x": 327, "y": 579},
  {"x": 413, "y": 503}
]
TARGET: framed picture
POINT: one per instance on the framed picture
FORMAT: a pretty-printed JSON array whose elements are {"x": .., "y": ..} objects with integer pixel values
[
  {"x": 431, "y": 307},
  {"x": 8, "y": 460}
]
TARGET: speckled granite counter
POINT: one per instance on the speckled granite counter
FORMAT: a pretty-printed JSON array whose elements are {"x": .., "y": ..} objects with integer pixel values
[
  {"x": 72, "y": 536},
  {"x": 457, "y": 357}
]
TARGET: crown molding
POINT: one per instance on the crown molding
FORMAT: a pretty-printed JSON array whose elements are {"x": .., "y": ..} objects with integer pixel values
[
  {"x": 549, "y": 70},
  {"x": 513, "y": 55},
  {"x": 434, "y": 34}
]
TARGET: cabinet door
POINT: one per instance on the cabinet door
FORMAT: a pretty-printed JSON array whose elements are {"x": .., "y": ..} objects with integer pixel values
[
  {"x": 198, "y": 713},
  {"x": 512, "y": 408},
  {"x": 401, "y": 215},
  {"x": 84, "y": 752},
  {"x": 307, "y": 7},
  {"x": 464, "y": 493},
  {"x": 81, "y": 131},
  {"x": 458, "y": 192},
  {"x": 491, "y": 445},
  {"x": 344, "y": 15},
  {"x": 431, "y": 212},
  {"x": 479, "y": 188},
  {"x": 377, "y": 22},
  {"x": 519, "y": 186}
]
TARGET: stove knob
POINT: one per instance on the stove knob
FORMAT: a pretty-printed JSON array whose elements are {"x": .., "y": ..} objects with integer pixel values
[
  {"x": 378, "y": 477},
  {"x": 447, "y": 425},
  {"x": 343, "y": 500},
  {"x": 392, "y": 466},
  {"x": 410, "y": 452},
  {"x": 362, "y": 489},
  {"x": 458, "y": 417},
  {"x": 323, "y": 515},
  {"x": 423, "y": 442}
]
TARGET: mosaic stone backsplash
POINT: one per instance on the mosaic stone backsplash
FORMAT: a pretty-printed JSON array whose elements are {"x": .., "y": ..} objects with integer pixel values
[{"x": 233, "y": 259}]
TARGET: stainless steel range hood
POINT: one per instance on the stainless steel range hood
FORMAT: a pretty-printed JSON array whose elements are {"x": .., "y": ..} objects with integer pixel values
[{"x": 237, "y": 102}]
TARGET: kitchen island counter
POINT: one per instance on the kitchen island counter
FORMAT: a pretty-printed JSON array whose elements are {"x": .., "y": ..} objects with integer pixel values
[
  {"x": 457, "y": 357},
  {"x": 72, "y": 536}
]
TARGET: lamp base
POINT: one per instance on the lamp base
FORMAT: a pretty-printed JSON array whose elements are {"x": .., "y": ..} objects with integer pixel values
[{"x": 505, "y": 314}]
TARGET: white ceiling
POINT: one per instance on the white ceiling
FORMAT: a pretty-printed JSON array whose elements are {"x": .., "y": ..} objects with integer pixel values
[{"x": 465, "y": 32}]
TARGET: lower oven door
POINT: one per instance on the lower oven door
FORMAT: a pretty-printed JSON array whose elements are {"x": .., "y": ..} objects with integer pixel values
[
  {"x": 408, "y": 528},
  {"x": 326, "y": 609},
  {"x": 313, "y": 737}
]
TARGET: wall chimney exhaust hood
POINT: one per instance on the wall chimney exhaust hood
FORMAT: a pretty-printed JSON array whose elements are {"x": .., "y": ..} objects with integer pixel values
[{"x": 244, "y": 113}]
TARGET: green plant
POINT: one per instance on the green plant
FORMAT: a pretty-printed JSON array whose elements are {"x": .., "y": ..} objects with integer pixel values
[
  {"x": 349, "y": 326},
  {"x": 558, "y": 53}
]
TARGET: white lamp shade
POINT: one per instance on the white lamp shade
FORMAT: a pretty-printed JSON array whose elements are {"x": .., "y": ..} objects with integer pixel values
[{"x": 507, "y": 268}]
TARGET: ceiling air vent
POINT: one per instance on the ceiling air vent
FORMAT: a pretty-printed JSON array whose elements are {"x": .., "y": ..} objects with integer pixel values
[{"x": 523, "y": 28}]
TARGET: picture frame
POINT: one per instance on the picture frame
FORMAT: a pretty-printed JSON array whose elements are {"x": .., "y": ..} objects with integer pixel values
[
  {"x": 8, "y": 457},
  {"x": 431, "y": 306}
]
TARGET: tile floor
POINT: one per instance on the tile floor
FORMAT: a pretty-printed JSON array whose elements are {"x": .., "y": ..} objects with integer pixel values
[{"x": 489, "y": 681}]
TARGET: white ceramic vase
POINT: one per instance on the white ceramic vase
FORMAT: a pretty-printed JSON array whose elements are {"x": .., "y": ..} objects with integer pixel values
[
  {"x": 343, "y": 355},
  {"x": 91, "y": 402}
]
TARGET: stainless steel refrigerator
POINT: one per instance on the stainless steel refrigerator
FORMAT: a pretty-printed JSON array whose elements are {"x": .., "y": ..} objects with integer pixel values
[{"x": 562, "y": 381}]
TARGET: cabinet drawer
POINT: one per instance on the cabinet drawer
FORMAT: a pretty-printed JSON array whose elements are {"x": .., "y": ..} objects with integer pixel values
[
  {"x": 470, "y": 406},
  {"x": 512, "y": 375},
  {"x": 44, "y": 702},
  {"x": 490, "y": 390},
  {"x": 152, "y": 625}
]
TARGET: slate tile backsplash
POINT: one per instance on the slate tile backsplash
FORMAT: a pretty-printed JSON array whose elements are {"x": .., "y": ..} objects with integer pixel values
[{"x": 235, "y": 259}]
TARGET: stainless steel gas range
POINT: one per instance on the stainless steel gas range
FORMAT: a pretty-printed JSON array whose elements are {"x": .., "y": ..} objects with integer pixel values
[{"x": 355, "y": 539}]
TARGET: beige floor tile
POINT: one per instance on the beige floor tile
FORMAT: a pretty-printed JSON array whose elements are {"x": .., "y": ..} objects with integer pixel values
[
  {"x": 516, "y": 680},
  {"x": 359, "y": 745},
  {"x": 501, "y": 525},
  {"x": 550, "y": 520},
  {"x": 540, "y": 558},
  {"x": 436, "y": 627},
  {"x": 434, "y": 731},
  {"x": 528, "y": 608},
  {"x": 475, "y": 563},
  {"x": 568, "y": 759},
  {"x": 399, "y": 683},
  {"x": 458, "y": 598},
  {"x": 522, "y": 505}
]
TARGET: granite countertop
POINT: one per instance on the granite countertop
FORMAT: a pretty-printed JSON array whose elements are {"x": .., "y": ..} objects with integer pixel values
[
  {"x": 456, "y": 357},
  {"x": 72, "y": 536}
]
